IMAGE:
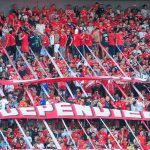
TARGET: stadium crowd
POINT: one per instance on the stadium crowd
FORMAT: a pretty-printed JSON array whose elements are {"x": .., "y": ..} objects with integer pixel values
[
  {"x": 79, "y": 42},
  {"x": 99, "y": 136}
]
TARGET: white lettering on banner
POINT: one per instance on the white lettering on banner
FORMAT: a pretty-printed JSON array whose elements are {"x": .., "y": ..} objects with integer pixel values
[
  {"x": 28, "y": 111},
  {"x": 64, "y": 109},
  {"x": 10, "y": 112},
  {"x": 72, "y": 111},
  {"x": 43, "y": 109},
  {"x": 116, "y": 113},
  {"x": 146, "y": 115},
  {"x": 101, "y": 112},
  {"x": 83, "y": 110},
  {"x": 131, "y": 114}
]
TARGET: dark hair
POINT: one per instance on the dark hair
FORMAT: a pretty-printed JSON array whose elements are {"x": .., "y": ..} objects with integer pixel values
[{"x": 134, "y": 102}]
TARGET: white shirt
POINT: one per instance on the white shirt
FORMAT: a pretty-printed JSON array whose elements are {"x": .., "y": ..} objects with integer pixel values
[
  {"x": 1, "y": 92},
  {"x": 41, "y": 146},
  {"x": 144, "y": 12},
  {"x": 29, "y": 138},
  {"x": 138, "y": 75},
  {"x": 139, "y": 106},
  {"x": 23, "y": 16},
  {"x": 142, "y": 34},
  {"x": 52, "y": 40},
  {"x": 90, "y": 29},
  {"x": 65, "y": 133},
  {"x": 144, "y": 76},
  {"x": 40, "y": 28},
  {"x": 3, "y": 103},
  {"x": 144, "y": 26},
  {"x": 133, "y": 108},
  {"x": 9, "y": 88},
  {"x": 48, "y": 103}
]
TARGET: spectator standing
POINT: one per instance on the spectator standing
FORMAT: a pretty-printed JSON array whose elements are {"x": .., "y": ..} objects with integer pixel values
[
  {"x": 76, "y": 43},
  {"x": 24, "y": 42},
  {"x": 112, "y": 43},
  {"x": 63, "y": 41},
  {"x": 40, "y": 27},
  {"x": 69, "y": 43},
  {"x": 3, "y": 102},
  {"x": 120, "y": 43},
  {"x": 10, "y": 43},
  {"x": 144, "y": 11}
]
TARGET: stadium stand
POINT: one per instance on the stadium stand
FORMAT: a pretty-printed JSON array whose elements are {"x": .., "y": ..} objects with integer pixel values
[{"x": 50, "y": 42}]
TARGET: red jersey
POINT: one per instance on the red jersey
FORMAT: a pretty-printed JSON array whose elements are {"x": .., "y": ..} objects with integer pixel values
[
  {"x": 142, "y": 139},
  {"x": 76, "y": 40},
  {"x": 69, "y": 12},
  {"x": 119, "y": 38},
  {"x": 88, "y": 40},
  {"x": 124, "y": 144},
  {"x": 46, "y": 42},
  {"x": 118, "y": 104},
  {"x": 62, "y": 85},
  {"x": 111, "y": 39},
  {"x": 63, "y": 40},
  {"x": 83, "y": 13},
  {"x": 55, "y": 25},
  {"x": 12, "y": 39},
  {"x": 7, "y": 39},
  {"x": 123, "y": 105}
]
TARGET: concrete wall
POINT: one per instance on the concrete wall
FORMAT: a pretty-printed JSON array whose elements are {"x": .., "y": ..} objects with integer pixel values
[{"x": 5, "y": 5}]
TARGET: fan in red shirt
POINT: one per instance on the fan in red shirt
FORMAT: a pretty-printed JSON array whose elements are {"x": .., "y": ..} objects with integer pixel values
[
  {"x": 75, "y": 60},
  {"x": 10, "y": 42},
  {"x": 112, "y": 43},
  {"x": 20, "y": 144},
  {"x": 56, "y": 24},
  {"x": 120, "y": 42},
  {"x": 63, "y": 41},
  {"x": 84, "y": 12},
  {"x": 124, "y": 143},
  {"x": 69, "y": 11},
  {"x": 88, "y": 43},
  {"x": 25, "y": 42},
  {"x": 36, "y": 11},
  {"x": 76, "y": 43},
  {"x": 46, "y": 42},
  {"x": 52, "y": 8},
  {"x": 142, "y": 138}
]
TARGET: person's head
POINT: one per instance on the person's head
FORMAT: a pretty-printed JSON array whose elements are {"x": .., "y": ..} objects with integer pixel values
[
  {"x": 143, "y": 29},
  {"x": 28, "y": 133},
  {"x": 40, "y": 21},
  {"x": 141, "y": 133},
  {"x": 59, "y": 139},
  {"x": 76, "y": 31},
  {"x": 21, "y": 141},
  {"x": 93, "y": 135},
  {"x": 62, "y": 31},
  {"x": 36, "y": 129},
  {"x": 144, "y": 6},
  {"x": 57, "y": 98},
  {"x": 56, "y": 31},
  {"x": 52, "y": 32},
  {"x": 68, "y": 31},
  {"x": 96, "y": 92},
  {"x": 107, "y": 98}
]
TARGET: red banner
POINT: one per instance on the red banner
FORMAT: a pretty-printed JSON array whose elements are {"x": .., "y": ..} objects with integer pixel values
[
  {"x": 71, "y": 111},
  {"x": 65, "y": 79}
]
